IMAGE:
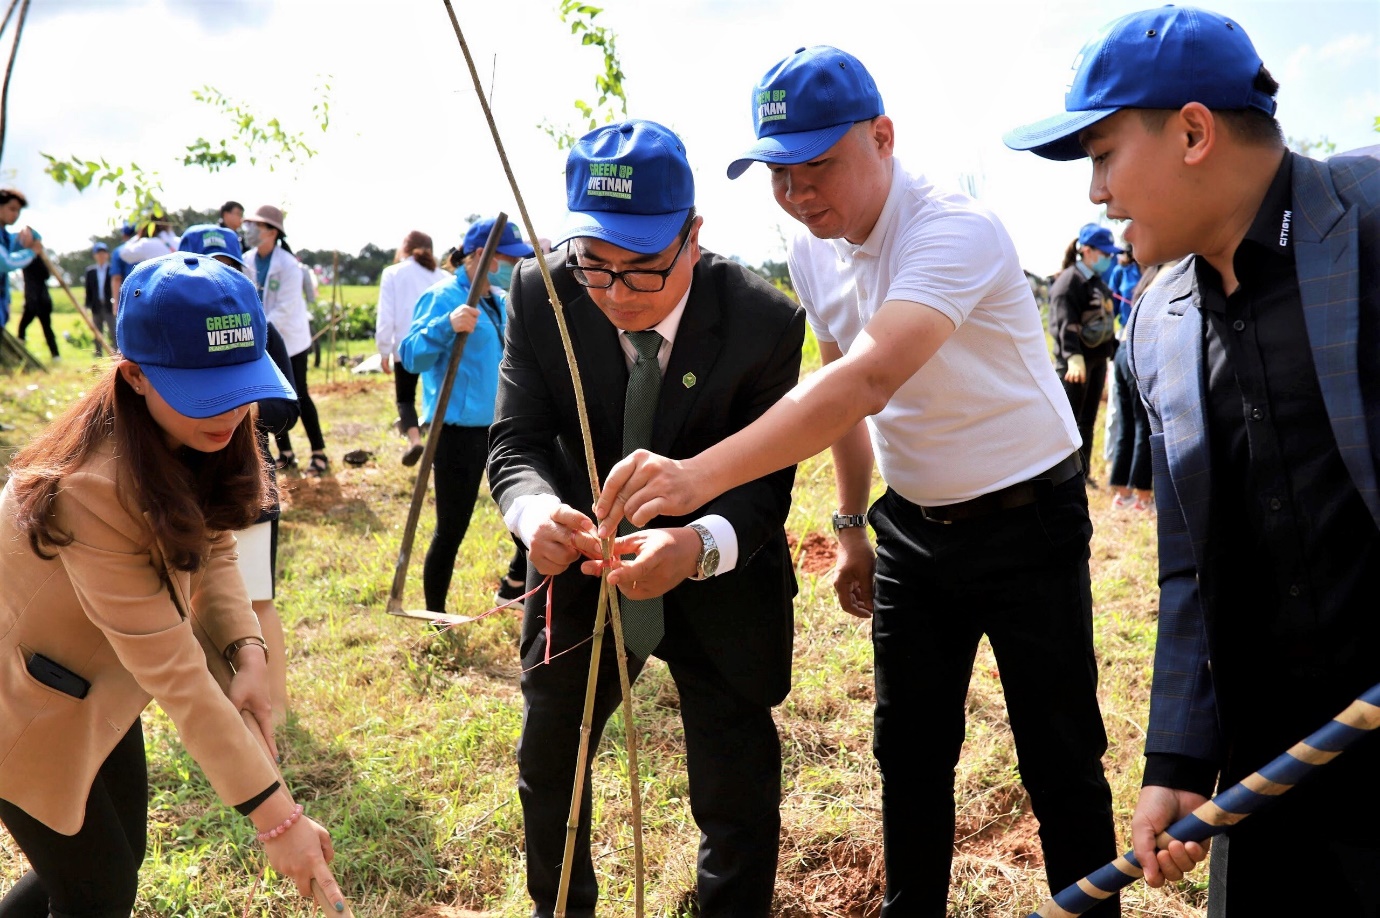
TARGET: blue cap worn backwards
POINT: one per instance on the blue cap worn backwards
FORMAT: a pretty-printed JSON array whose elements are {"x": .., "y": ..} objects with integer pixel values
[
  {"x": 510, "y": 243},
  {"x": 197, "y": 330},
  {"x": 628, "y": 184},
  {"x": 1163, "y": 58},
  {"x": 804, "y": 104},
  {"x": 211, "y": 239}
]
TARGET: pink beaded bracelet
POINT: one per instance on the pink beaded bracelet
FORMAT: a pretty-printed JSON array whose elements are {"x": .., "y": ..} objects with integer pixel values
[{"x": 283, "y": 827}]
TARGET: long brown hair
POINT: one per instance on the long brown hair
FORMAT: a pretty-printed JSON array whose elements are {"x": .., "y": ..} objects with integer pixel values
[
  {"x": 1071, "y": 255},
  {"x": 417, "y": 245},
  {"x": 188, "y": 495}
]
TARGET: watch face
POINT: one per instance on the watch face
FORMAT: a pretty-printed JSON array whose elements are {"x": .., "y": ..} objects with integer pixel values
[{"x": 710, "y": 564}]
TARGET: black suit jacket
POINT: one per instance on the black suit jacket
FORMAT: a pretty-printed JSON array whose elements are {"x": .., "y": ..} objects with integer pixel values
[
  {"x": 94, "y": 297},
  {"x": 736, "y": 352}
]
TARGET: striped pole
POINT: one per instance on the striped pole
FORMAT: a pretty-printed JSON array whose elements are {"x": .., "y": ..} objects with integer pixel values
[{"x": 1254, "y": 792}]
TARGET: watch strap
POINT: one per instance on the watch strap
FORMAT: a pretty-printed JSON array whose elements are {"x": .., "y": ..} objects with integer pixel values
[{"x": 849, "y": 520}]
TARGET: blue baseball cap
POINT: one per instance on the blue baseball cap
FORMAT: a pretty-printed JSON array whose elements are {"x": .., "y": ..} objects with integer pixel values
[
  {"x": 510, "y": 243},
  {"x": 1163, "y": 58},
  {"x": 804, "y": 104},
  {"x": 127, "y": 228},
  {"x": 197, "y": 330},
  {"x": 99, "y": 247},
  {"x": 210, "y": 239},
  {"x": 629, "y": 184},
  {"x": 1099, "y": 237}
]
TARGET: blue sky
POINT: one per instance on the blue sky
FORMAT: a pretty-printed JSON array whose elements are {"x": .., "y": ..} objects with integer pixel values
[{"x": 407, "y": 147}]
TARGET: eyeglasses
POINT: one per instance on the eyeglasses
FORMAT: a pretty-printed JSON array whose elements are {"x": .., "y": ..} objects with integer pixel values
[{"x": 641, "y": 281}]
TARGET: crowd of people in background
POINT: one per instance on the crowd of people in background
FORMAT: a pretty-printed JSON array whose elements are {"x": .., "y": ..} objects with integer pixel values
[{"x": 1238, "y": 319}]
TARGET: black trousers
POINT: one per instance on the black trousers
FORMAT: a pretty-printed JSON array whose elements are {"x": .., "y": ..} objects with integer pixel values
[
  {"x": 95, "y": 873},
  {"x": 733, "y": 760},
  {"x": 461, "y": 453},
  {"x": 104, "y": 319},
  {"x": 311, "y": 422},
  {"x": 405, "y": 393},
  {"x": 1131, "y": 451},
  {"x": 1084, "y": 399},
  {"x": 43, "y": 312},
  {"x": 1020, "y": 576}
]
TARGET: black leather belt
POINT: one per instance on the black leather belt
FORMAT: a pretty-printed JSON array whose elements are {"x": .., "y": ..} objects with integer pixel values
[{"x": 1017, "y": 495}]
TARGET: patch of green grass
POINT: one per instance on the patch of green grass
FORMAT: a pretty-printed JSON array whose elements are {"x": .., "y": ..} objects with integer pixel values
[{"x": 402, "y": 741}]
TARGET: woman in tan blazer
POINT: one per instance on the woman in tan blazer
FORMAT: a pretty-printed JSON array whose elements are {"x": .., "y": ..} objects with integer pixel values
[{"x": 121, "y": 586}]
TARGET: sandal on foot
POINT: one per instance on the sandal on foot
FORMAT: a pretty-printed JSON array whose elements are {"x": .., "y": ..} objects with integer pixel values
[
  {"x": 318, "y": 466},
  {"x": 413, "y": 453},
  {"x": 287, "y": 460}
]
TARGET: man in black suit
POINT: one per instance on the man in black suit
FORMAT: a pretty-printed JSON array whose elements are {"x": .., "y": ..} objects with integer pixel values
[
  {"x": 98, "y": 293},
  {"x": 729, "y": 347}
]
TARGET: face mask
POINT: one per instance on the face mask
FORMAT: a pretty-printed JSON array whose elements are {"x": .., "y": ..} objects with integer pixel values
[
  {"x": 502, "y": 277},
  {"x": 1103, "y": 264},
  {"x": 251, "y": 235}
]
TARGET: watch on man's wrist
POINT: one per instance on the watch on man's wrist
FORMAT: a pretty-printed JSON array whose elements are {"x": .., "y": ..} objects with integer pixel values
[
  {"x": 849, "y": 520},
  {"x": 708, "y": 562}
]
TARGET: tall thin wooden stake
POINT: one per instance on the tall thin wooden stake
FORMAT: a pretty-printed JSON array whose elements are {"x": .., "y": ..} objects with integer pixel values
[{"x": 611, "y": 601}]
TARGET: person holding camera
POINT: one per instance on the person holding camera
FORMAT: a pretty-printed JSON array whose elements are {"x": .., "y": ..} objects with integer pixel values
[
  {"x": 121, "y": 587},
  {"x": 1082, "y": 317}
]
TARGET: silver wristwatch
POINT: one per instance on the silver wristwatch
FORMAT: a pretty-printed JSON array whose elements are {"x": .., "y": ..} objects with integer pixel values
[
  {"x": 849, "y": 520},
  {"x": 708, "y": 561}
]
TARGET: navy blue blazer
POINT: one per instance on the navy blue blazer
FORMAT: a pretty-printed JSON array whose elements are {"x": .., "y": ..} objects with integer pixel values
[{"x": 1336, "y": 226}]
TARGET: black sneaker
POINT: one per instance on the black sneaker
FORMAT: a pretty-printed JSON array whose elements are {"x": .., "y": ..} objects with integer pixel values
[{"x": 509, "y": 591}]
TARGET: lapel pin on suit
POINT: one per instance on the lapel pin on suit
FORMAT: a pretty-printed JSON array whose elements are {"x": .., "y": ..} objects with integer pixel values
[{"x": 688, "y": 380}]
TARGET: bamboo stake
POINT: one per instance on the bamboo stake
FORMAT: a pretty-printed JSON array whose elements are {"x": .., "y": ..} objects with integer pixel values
[
  {"x": 607, "y": 544},
  {"x": 329, "y": 326},
  {"x": 433, "y": 434},
  {"x": 81, "y": 310},
  {"x": 335, "y": 316}
]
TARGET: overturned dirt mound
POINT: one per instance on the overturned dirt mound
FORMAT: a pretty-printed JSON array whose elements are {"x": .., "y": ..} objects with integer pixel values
[{"x": 816, "y": 553}]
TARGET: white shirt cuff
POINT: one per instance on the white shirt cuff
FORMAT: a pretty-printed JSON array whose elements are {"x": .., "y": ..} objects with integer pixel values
[
  {"x": 528, "y": 512},
  {"x": 725, "y": 537}
]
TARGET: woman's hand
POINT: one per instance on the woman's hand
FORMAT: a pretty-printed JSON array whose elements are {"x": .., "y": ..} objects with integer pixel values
[
  {"x": 302, "y": 854},
  {"x": 249, "y": 690},
  {"x": 463, "y": 319}
]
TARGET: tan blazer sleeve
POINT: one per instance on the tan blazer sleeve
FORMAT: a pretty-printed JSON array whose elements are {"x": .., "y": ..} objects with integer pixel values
[{"x": 110, "y": 563}]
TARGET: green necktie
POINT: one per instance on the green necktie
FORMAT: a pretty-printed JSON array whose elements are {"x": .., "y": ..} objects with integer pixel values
[{"x": 642, "y": 623}]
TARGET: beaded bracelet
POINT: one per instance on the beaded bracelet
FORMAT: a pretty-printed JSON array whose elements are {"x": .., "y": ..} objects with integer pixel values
[{"x": 282, "y": 827}]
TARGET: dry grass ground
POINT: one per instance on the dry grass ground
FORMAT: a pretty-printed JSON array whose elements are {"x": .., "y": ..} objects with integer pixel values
[{"x": 402, "y": 741}]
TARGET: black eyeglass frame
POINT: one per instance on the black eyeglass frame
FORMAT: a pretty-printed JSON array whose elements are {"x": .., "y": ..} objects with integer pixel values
[{"x": 582, "y": 274}]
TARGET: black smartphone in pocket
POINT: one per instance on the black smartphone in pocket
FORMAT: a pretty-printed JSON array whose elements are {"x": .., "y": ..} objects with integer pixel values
[{"x": 56, "y": 676}]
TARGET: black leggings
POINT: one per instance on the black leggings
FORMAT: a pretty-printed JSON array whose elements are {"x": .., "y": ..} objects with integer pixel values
[
  {"x": 95, "y": 873},
  {"x": 310, "y": 422},
  {"x": 405, "y": 393},
  {"x": 44, "y": 315},
  {"x": 461, "y": 454}
]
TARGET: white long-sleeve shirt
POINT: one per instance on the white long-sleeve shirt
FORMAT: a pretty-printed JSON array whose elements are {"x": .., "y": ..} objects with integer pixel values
[{"x": 400, "y": 287}]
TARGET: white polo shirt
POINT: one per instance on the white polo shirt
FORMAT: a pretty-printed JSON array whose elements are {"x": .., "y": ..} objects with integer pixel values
[{"x": 987, "y": 410}]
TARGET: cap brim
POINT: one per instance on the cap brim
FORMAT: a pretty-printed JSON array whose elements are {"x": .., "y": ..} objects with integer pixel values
[
  {"x": 1057, "y": 137},
  {"x": 516, "y": 250},
  {"x": 789, "y": 149},
  {"x": 207, "y": 392},
  {"x": 645, "y": 234}
]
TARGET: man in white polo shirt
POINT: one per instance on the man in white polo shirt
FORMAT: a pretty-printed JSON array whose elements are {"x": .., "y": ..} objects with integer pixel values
[{"x": 936, "y": 364}]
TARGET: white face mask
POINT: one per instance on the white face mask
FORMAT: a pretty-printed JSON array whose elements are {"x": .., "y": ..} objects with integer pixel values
[{"x": 251, "y": 234}]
